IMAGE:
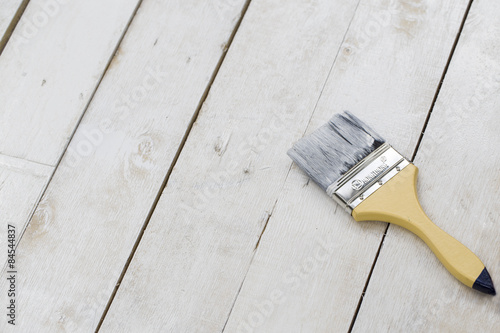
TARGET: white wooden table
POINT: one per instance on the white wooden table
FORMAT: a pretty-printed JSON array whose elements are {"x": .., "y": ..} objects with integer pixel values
[{"x": 143, "y": 163}]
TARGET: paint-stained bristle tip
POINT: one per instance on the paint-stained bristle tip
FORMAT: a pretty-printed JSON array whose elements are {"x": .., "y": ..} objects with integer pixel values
[{"x": 334, "y": 148}]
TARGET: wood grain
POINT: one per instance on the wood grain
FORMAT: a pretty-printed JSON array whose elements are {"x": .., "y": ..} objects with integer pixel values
[
  {"x": 85, "y": 227},
  {"x": 199, "y": 243},
  {"x": 50, "y": 69},
  {"x": 313, "y": 259},
  {"x": 458, "y": 186}
]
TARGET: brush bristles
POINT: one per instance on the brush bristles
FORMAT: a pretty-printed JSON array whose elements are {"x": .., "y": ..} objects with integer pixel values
[{"x": 334, "y": 148}]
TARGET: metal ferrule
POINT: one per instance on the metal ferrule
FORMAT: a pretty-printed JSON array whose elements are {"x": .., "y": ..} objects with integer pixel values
[{"x": 367, "y": 176}]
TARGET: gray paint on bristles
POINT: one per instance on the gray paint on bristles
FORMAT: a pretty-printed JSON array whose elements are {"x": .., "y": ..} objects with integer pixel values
[{"x": 334, "y": 148}]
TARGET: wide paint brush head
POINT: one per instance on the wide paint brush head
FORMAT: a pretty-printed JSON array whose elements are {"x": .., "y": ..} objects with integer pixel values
[{"x": 334, "y": 148}]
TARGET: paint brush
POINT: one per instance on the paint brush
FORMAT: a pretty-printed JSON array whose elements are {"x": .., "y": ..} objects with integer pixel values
[{"x": 372, "y": 181}]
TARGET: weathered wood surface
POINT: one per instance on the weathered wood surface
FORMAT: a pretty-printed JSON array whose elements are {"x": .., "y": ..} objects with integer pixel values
[
  {"x": 459, "y": 186},
  {"x": 85, "y": 227},
  {"x": 50, "y": 68},
  {"x": 240, "y": 240},
  {"x": 308, "y": 270}
]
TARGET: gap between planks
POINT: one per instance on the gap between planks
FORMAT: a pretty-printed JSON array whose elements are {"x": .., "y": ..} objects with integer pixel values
[
  {"x": 460, "y": 29},
  {"x": 15, "y": 158},
  {"x": 176, "y": 157},
  {"x": 422, "y": 133},
  {"x": 12, "y": 25},
  {"x": 250, "y": 264}
]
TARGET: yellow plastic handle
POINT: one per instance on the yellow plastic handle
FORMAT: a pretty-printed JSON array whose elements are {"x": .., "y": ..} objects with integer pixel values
[{"x": 397, "y": 202}]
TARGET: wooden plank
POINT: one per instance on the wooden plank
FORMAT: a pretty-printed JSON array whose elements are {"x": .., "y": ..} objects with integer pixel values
[
  {"x": 313, "y": 259},
  {"x": 459, "y": 186},
  {"x": 75, "y": 247},
  {"x": 9, "y": 16},
  {"x": 203, "y": 235},
  {"x": 21, "y": 185},
  {"x": 50, "y": 69}
]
